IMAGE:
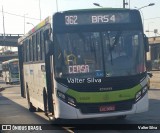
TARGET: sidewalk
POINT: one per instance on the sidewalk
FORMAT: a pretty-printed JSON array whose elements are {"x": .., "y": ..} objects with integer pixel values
[
  {"x": 14, "y": 108},
  {"x": 155, "y": 80}
]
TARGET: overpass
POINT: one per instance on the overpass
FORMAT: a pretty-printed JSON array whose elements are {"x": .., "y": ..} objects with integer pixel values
[{"x": 10, "y": 40}]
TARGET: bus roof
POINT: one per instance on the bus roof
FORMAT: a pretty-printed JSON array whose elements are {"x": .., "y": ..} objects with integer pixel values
[
  {"x": 37, "y": 27},
  {"x": 99, "y": 9},
  {"x": 101, "y": 18},
  {"x": 48, "y": 19},
  {"x": 96, "y": 9}
]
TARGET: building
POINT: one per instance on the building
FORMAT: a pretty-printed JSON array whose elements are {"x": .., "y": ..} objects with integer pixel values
[{"x": 153, "y": 56}]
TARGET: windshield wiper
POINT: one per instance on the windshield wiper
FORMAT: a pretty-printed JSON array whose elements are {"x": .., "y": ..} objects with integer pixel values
[
  {"x": 110, "y": 48},
  {"x": 116, "y": 39}
]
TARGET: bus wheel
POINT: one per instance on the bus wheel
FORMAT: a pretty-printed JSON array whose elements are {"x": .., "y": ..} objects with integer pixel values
[
  {"x": 30, "y": 106},
  {"x": 54, "y": 120},
  {"x": 45, "y": 101}
]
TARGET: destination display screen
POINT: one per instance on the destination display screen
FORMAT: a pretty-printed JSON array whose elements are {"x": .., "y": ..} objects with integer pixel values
[{"x": 96, "y": 18}]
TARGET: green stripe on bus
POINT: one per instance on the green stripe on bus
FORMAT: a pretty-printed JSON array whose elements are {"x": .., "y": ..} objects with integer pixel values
[{"x": 100, "y": 97}]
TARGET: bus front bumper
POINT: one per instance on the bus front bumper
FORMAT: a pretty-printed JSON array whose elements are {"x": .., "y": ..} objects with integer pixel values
[{"x": 65, "y": 111}]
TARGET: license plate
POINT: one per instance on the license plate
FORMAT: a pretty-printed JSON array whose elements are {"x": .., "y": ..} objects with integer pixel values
[{"x": 107, "y": 108}]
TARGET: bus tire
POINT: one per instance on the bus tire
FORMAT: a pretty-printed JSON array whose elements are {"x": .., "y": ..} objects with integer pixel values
[
  {"x": 45, "y": 101},
  {"x": 31, "y": 108},
  {"x": 54, "y": 120}
]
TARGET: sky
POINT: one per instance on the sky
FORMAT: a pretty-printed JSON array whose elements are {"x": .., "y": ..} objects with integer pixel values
[{"x": 17, "y": 13}]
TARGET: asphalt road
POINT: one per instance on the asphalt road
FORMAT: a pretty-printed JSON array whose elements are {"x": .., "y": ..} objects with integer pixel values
[{"x": 13, "y": 110}]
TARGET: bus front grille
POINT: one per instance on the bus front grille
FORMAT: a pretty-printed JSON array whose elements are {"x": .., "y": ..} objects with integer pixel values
[{"x": 95, "y": 108}]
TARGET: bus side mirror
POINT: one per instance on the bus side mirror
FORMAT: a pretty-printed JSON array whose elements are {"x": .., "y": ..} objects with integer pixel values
[
  {"x": 48, "y": 42},
  {"x": 146, "y": 43},
  {"x": 150, "y": 74},
  {"x": 49, "y": 47}
]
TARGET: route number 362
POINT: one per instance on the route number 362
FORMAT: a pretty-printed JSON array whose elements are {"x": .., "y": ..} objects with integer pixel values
[{"x": 71, "y": 20}]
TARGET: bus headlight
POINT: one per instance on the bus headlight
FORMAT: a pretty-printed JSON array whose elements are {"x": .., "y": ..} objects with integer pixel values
[
  {"x": 67, "y": 99},
  {"x": 144, "y": 89},
  {"x": 141, "y": 93},
  {"x": 61, "y": 95},
  {"x": 138, "y": 96},
  {"x": 71, "y": 101}
]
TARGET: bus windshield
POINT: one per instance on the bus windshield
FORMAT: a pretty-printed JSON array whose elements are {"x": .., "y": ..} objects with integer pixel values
[
  {"x": 99, "y": 54},
  {"x": 13, "y": 67}
]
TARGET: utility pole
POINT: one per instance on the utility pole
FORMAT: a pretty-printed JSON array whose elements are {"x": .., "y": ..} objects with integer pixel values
[
  {"x": 40, "y": 10},
  {"x": 4, "y": 36},
  {"x": 25, "y": 22},
  {"x": 57, "y": 5},
  {"x": 124, "y": 3}
]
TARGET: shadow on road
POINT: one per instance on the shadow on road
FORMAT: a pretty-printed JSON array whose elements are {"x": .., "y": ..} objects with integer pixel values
[{"x": 12, "y": 111}]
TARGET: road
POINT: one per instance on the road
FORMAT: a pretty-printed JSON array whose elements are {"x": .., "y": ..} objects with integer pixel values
[{"x": 13, "y": 110}]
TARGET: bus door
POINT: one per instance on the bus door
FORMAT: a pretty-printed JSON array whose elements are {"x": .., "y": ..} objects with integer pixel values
[
  {"x": 21, "y": 74},
  {"x": 48, "y": 67}
]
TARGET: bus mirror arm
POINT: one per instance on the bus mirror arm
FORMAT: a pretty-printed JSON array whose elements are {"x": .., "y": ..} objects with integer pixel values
[{"x": 146, "y": 43}]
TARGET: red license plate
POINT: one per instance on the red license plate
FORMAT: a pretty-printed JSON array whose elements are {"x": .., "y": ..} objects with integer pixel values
[{"x": 107, "y": 108}]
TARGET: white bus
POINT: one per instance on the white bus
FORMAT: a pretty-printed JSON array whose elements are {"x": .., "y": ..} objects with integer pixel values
[
  {"x": 86, "y": 64},
  {"x": 10, "y": 71}
]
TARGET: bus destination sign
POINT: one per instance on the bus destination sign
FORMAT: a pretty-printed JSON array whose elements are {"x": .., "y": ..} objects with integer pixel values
[{"x": 96, "y": 18}]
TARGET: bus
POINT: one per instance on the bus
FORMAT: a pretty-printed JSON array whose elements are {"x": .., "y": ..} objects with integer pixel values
[
  {"x": 88, "y": 63},
  {"x": 10, "y": 71}
]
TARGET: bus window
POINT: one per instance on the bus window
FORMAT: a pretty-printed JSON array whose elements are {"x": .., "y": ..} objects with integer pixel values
[
  {"x": 25, "y": 52},
  {"x": 4, "y": 67},
  {"x": 28, "y": 51},
  {"x": 14, "y": 67},
  {"x": 38, "y": 56},
  {"x": 42, "y": 45},
  {"x": 46, "y": 40},
  {"x": 34, "y": 47}
]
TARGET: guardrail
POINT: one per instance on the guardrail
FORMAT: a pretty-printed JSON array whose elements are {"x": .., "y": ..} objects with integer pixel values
[
  {"x": 11, "y": 34},
  {"x": 9, "y": 39}
]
